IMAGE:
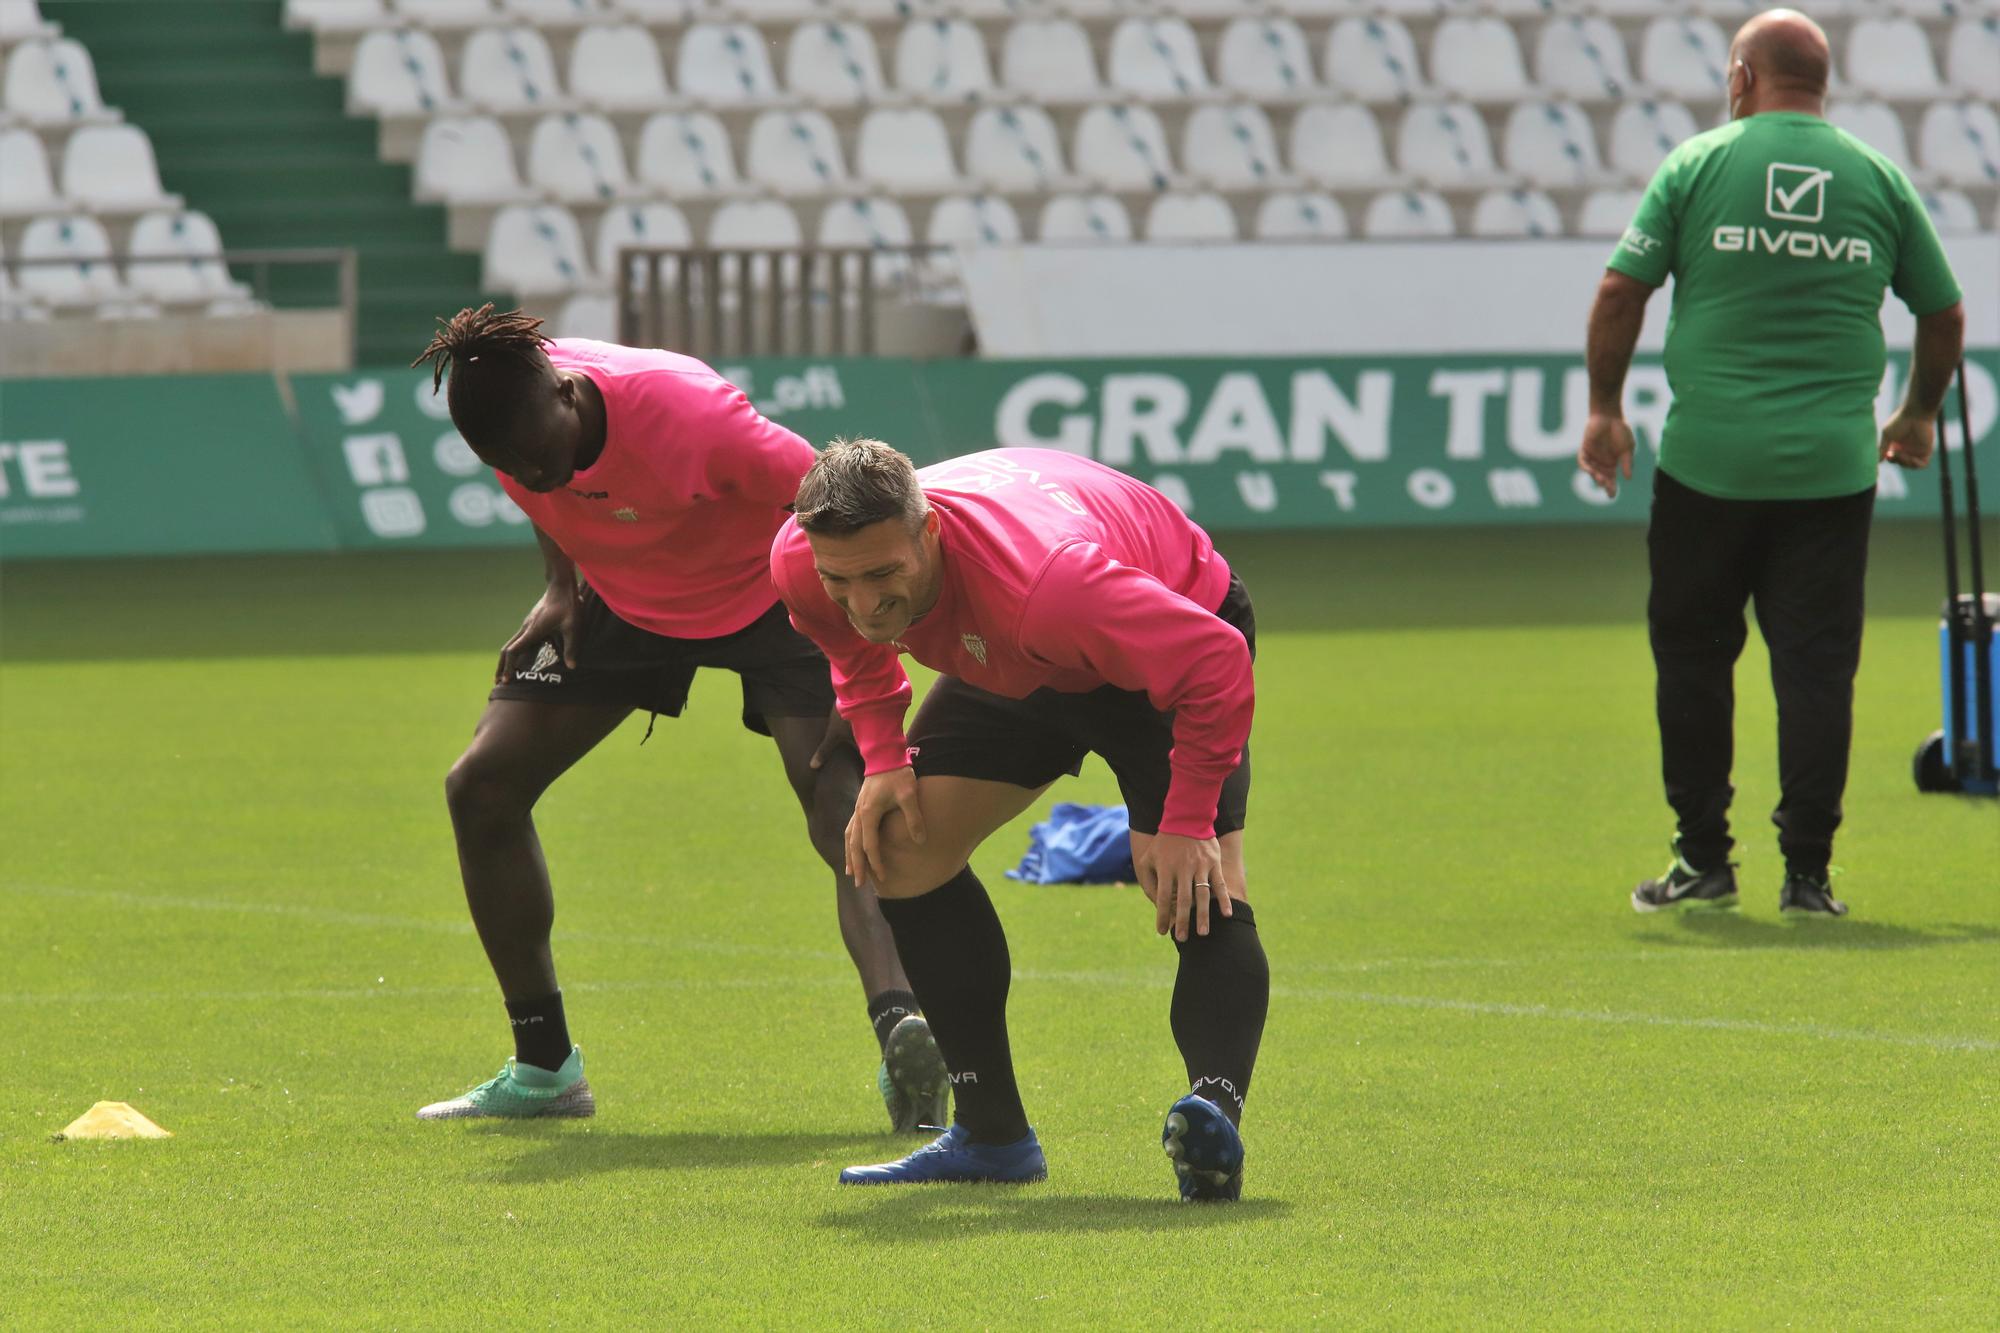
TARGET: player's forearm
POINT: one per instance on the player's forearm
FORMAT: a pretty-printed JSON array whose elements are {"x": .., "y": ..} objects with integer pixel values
[
  {"x": 1940, "y": 343},
  {"x": 1615, "y": 320},
  {"x": 557, "y": 567}
]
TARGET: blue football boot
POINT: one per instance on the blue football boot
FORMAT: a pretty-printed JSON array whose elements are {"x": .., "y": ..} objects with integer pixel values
[
  {"x": 951, "y": 1156},
  {"x": 1205, "y": 1149}
]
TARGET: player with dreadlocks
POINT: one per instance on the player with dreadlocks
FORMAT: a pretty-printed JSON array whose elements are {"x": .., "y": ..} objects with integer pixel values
[{"x": 655, "y": 489}]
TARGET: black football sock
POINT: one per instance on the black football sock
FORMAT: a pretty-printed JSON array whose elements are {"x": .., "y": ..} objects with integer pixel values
[
  {"x": 541, "y": 1035},
  {"x": 1220, "y": 997},
  {"x": 888, "y": 1009},
  {"x": 955, "y": 953}
]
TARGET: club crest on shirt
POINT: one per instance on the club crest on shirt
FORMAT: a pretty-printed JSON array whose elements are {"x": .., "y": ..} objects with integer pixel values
[
  {"x": 626, "y": 514},
  {"x": 974, "y": 645}
]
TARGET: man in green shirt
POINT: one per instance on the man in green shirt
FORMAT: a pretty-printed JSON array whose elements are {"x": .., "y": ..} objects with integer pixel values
[{"x": 1781, "y": 232}]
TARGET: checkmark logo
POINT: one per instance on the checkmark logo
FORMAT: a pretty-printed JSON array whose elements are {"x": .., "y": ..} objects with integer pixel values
[{"x": 1796, "y": 193}]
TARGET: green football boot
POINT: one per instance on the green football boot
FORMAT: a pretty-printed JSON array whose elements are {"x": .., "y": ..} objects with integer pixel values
[
  {"x": 523, "y": 1092},
  {"x": 912, "y": 1079}
]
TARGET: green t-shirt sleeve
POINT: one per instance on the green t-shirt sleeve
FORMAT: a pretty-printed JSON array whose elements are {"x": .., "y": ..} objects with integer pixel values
[
  {"x": 1923, "y": 279},
  {"x": 1646, "y": 250}
]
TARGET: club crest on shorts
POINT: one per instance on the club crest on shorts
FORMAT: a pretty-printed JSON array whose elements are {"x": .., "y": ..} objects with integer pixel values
[
  {"x": 545, "y": 657},
  {"x": 974, "y": 645}
]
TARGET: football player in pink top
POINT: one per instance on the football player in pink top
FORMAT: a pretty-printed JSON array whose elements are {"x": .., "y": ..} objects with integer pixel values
[
  {"x": 654, "y": 487},
  {"x": 1070, "y": 610}
]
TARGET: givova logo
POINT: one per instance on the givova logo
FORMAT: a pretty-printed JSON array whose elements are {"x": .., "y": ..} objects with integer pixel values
[{"x": 1794, "y": 192}]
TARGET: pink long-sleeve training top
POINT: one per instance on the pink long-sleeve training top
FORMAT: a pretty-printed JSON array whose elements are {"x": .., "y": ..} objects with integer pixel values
[
  {"x": 672, "y": 524},
  {"x": 1058, "y": 573}
]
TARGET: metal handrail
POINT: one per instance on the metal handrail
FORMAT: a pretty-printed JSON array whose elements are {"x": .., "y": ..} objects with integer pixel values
[{"x": 801, "y": 289}]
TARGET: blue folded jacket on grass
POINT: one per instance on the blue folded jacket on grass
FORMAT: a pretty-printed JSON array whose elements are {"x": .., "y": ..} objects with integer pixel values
[{"x": 1079, "y": 844}]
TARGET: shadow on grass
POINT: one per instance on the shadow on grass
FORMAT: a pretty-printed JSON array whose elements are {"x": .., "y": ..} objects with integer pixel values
[
  {"x": 1727, "y": 930},
  {"x": 560, "y": 1151},
  {"x": 920, "y": 1211}
]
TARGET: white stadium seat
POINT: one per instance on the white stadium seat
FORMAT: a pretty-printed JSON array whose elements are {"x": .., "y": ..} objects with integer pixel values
[
  {"x": 1190, "y": 217},
  {"x": 968, "y": 221},
  {"x": 446, "y": 13},
  {"x": 617, "y": 69},
  {"x": 795, "y": 152},
  {"x": 1960, "y": 142},
  {"x": 1583, "y": 59},
  {"x": 1607, "y": 213},
  {"x": 22, "y": 19},
  {"x": 1446, "y": 144},
  {"x": 333, "y": 15},
  {"x": 755, "y": 224},
  {"x": 52, "y": 81},
  {"x": 1502, "y": 213},
  {"x": 111, "y": 167},
  {"x": 1875, "y": 124},
  {"x": 577, "y": 158},
  {"x": 869, "y": 224},
  {"x": 944, "y": 60},
  {"x": 1972, "y": 56},
  {"x": 778, "y": 13},
  {"x": 1686, "y": 57},
  {"x": 508, "y": 69},
  {"x": 1407, "y": 215},
  {"x": 536, "y": 250},
  {"x": 1049, "y": 60},
  {"x": 656, "y": 225},
  {"x": 686, "y": 154},
  {"x": 1069, "y": 218},
  {"x": 186, "y": 266},
  {"x": 833, "y": 64},
  {"x": 1265, "y": 58},
  {"x": 1952, "y": 212},
  {"x": 1373, "y": 59},
  {"x": 1014, "y": 148},
  {"x": 1156, "y": 58},
  {"x": 1643, "y": 133},
  {"x": 1231, "y": 147},
  {"x": 1551, "y": 144},
  {"x": 89, "y": 278},
  {"x": 26, "y": 186},
  {"x": 1478, "y": 59},
  {"x": 1340, "y": 144},
  {"x": 1122, "y": 148},
  {"x": 465, "y": 160},
  {"x": 397, "y": 72},
  {"x": 1891, "y": 58},
  {"x": 906, "y": 151},
  {"x": 589, "y": 315},
  {"x": 724, "y": 63},
  {"x": 1299, "y": 217}
]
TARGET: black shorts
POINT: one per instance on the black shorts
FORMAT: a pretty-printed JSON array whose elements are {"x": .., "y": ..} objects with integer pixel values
[
  {"x": 784, "y": 673},
  {"x": 963, "y": 731}
]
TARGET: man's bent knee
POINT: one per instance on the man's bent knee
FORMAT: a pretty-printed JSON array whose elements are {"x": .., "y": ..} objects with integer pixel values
[{"x": 475, "y": 792}]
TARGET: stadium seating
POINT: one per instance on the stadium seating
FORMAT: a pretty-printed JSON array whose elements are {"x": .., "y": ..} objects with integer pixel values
[
  {"x": 943, "y": 60},
  {"x": 1071, "y": 218},
  {"x": 468, "y": 160},
  {"x": 26, "y": 185},
  {"x": 1408, "y": 215},
  {"x": 186, "y": 267},
  {"x": 1300, "y": 217},
  {"x": 547, "y": 125},
  {"x": 1190, "y": 217},
  {"x": 87, "y": 279},
  {"x": 656, "y": 224},
  {"x": 51, "y": 81},
  {"x": 617, "y": 69},
  {"x": 906, "y": 151}
]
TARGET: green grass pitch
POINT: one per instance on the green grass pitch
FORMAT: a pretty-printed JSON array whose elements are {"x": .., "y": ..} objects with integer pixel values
[{"x": 1490, "y": 1093}]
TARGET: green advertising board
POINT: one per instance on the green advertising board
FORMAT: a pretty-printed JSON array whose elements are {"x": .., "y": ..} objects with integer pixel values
[
  {"x": 1253, "y": 444},
  {"x": 370, "y": 459},
  {"x": 142, "y": 466}
]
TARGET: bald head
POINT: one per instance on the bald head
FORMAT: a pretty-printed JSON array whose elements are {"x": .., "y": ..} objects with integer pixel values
[{"x": 1786, "y": 52}]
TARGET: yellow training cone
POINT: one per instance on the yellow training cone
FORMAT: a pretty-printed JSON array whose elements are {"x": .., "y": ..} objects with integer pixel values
[{"x": 112, "y": 1120}]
